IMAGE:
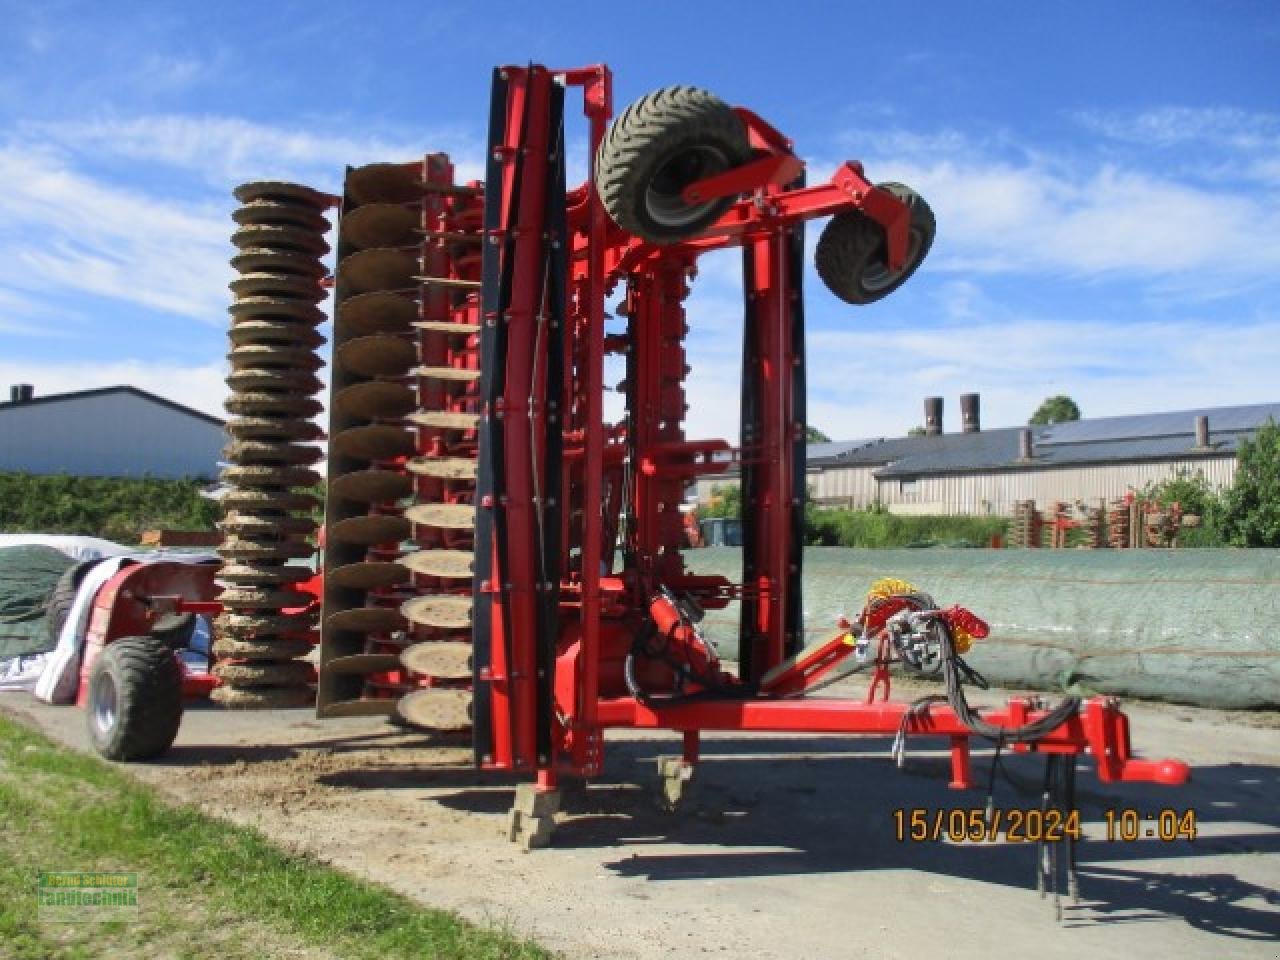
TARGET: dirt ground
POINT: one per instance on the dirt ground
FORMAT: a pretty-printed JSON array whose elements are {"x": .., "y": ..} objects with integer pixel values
[{"x": 787, "y": 849}]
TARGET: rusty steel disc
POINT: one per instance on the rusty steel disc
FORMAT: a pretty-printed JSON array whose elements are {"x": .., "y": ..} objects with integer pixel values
[
  {"x": 262, "y": 698},
  {"x": 445, "y": 420},
  {"x": 264, "y": 260},
  {"x": 442, "y": 709},
  {"x": 455, "y": 374},
  {"x": 276, "y": 308},
  {"x": 275, "y": 213},
  {"x": 261, "y": 574},
  {"x": 443, "y": 611},
  {"x": 375, "y": 442},
  {"x": 281, "y": 191},
  {"x": 371, "y": 486},
  {"x": 250, "y": 499},
  {"x": 380, "y": 268},
  {"x": 440, "y": 659},
  {"x": 266, "y": 649},
  {"x": 380, "y": 311},
  {"x": 444, "y": 516},
  {"x": 366, "y": 620},
  {"x": 385, "y": 183},
  {"x": 369, "y": 531},
  {"x": 287, "y": 673},
  {"x": 381, "y": 355},
  {"x": 380, "y": 225},
  {"x": 449, "y": 564},
  {"x": 366, "y": 575},
  {"x": 443, "y": 468},
  {"x": 355, "y": 664},
  {"x": 278, "y": 285},
  {"x": 261, "y": 525},
  {"x": 250, "y": 550},
  {"x": 256, "y": 404},
  {"x": 294, "y": 239},
  {"x": 255, "y": 378},
  {"x": 258, "y": 627},
  {"x": 258, "y": 598},
  {"x": 270, "y": 476},
  {"x": 375, "y": 400},
  {"x": 274, "y": 355},
  {"x": 254, "y": 452},
  {"x": 453, "y": 329},
  {"x": 267, "y": 332}
]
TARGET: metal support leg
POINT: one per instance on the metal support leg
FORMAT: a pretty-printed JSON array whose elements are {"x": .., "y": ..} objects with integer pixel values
[{"x": 533, "y": 815}]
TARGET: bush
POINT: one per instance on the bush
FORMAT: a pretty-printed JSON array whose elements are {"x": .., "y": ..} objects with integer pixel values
[
  {"x": 1248, "y": 515},
  {"x": 876, "y": 527},
  {"x": 1194, "y": 495},
  {"x": 117, "y": 508}
]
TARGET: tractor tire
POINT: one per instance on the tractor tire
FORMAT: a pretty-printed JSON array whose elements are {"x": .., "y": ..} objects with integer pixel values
[
  {"x": 658, "y": 146},
  {"x": 851, "y": 251},
  {"x": 64, "y": 595},
  {"x": 135, "y": 699}
]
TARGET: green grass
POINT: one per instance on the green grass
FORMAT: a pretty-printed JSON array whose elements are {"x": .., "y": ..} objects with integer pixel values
[{"x": 206, "y": 887}]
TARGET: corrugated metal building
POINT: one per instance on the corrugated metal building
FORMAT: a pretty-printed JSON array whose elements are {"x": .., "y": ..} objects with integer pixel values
[
  {"x": 987, "y": 471},
  {"x": 107, "y": 432}
]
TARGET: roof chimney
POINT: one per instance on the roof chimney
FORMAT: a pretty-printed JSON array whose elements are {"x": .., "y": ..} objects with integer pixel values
[
  {"x": 1202, "y": 432},
  {"x": 932, "y": 416},
  {"x": 970, "y": 413},
  {"x": 1026, "y": 447},
  {"x": 21, "y": 392}
]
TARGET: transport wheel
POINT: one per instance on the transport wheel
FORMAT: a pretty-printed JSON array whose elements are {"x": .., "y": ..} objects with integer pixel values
[
  {"x": 851, "y": 251},
  {"x": 135, "y": 699},
  {"x": 658, "y": 146},
  {"x": 64, "y": 595}
]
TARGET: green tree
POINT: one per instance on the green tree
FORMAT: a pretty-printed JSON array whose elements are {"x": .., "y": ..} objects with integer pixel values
[
  {"x": 1249, "y": 513},
  {"x": 1056, "y": 409},
  {"x": 916, "y": 431},
  {"x": 814, "y": 435},
  {"x": 726, "y": 501}
]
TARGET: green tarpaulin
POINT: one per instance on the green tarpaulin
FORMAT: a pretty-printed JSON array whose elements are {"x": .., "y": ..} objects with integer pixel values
[{"x": 27, "y": 577}]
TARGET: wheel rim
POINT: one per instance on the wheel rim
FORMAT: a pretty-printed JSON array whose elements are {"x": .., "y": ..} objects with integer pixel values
[
  {"x": 877, "y": 276},
  {"x": 104, "y": 703},
  {"x": 663, "y": 202}
]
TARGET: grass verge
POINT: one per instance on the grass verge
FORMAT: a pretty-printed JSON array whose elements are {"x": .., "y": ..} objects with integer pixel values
[{"x": 207, "y": 888}]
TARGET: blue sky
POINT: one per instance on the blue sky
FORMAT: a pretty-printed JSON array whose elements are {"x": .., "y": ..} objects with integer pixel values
[{"x": 1106, "y": 178}]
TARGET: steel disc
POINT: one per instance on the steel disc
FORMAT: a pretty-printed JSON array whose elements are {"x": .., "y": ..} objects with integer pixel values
[
  {"x": 369, "y": 531},
  {"x": 371, "y": 486},
  {"x": 440, "y": 563},
  {"x": 380, "y": 311},
  {"x": 281, "y": 191},
  {"x": 381, "y": 355},
  {"x": 275, "y": 213},
  {"x": 445, "y": 516},
  {"x": 281, "y": 238},
  {"x": 375, "y": 442},
  {"x": 375, "y": 400},
  {"x": 367, "y": 575},
  {"x": 380, "y": 225},
  {"x": 385, "y": 183},
  {"x": 367, "y": 620},
  {"x": 381, "y": 268},
  {"x": 443, "y": 611},
  {"x": 266, "y": 260},
  {"x": 278, "y": 285}
]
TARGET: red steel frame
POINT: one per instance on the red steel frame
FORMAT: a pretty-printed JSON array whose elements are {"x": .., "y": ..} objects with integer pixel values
[{"x": 628, "y": 479}]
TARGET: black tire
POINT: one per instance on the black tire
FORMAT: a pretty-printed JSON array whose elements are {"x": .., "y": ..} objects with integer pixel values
[
  {"x": 851, "y": 252},
  {"x": 174, "y": 630},
  {"x": 135, "y": 699},
  {"x": 658, "y": 146},
  {"x": 64, "y": 595}
]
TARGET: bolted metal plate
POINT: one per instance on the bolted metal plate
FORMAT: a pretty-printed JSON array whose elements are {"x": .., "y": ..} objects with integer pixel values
[
  {"x": 278, "y": 285},
  {"x": 385, "y": 183},
  {"x": 443, "y": 468},
  {"x": 367, "y": 620},
  {"x": 445, "y": 516},
  {"x": 265, "y": 404},
  {"x": 375, "y": 400},
  {"x": 445, "y": 420},
  {"x": 264, "y": 260},
  {"x": 270, "y": 476},
  {"x": 262, "y": 698},
  {"x": 280, "y": 214},
  {"x": 267, "y": 332},
  {"x": 276, "y": 308},
  {"x": 380, "y": 355},
  {"x": 376, "y": 442},
  {"x": 378, "y": 312},
  {"x": 367, "y": 576},
  {"x": 380, "y": 225},
  {"x": 361, "y": 663},
  {"x": 444, "y": 611},
  {"x": 446, "y": 373},
  {"x": 282, "y": 191},
  {"x": 455, "y": 329},
  {"x": 440, "y": 563},
  {"x": 371, "y": 486},
  {"x": 381, "y": 268},
  {"x": 369, "y": 531},
  {"x": 437, "y": 708},
  {"x": 282, "y": 378},
  {"x": 294, "y": 239},
  {"x": 440, "y": 659}
]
